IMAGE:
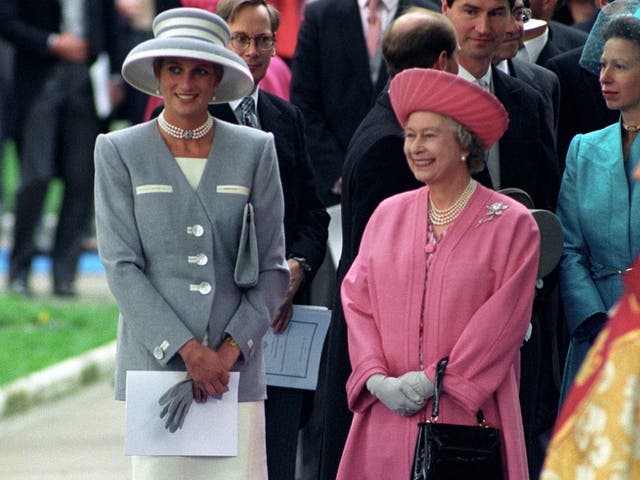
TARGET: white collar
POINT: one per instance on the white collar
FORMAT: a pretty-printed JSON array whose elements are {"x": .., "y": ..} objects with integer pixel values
[
  {"x": 504, "y": 66},
  {"x": 464, "y": 73}
]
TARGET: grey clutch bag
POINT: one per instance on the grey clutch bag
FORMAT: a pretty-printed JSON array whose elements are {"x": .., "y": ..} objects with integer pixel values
[{"x": 247, "y": 268}]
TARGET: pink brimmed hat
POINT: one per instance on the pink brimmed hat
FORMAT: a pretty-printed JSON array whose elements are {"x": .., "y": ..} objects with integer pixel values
[{"x": 426, "y": 89}]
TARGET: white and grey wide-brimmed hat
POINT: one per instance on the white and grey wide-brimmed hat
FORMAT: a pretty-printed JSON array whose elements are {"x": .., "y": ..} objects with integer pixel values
[{"x": 189, "y": 33}]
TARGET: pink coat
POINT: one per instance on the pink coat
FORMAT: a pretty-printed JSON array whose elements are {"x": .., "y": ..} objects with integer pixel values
[{"x": 478, "y": 305}]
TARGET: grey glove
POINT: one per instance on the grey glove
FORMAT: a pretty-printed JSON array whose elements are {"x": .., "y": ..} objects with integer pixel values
[
  {"x": 396, "y": 394},
  {"x": 176, "y": 401},
  {"x": 419, "y": 382}
]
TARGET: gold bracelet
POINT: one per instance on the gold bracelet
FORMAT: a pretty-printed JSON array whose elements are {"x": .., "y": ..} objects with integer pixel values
[{"x": 232, "y": 342}]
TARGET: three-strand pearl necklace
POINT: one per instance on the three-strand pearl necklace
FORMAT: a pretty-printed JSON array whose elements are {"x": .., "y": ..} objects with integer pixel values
[
  {"x": 184, "y": 133},
  {"x": 448, "y": 215}
]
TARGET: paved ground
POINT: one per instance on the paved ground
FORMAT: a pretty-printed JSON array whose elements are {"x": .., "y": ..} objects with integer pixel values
[{"x": 77, "y": 438}]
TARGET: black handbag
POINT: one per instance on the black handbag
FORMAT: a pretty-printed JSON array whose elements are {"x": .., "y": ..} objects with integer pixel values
[{"x": 455, "y": 452}]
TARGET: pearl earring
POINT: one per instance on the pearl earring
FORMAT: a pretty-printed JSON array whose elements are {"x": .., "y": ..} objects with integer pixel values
[{"x": 463, "y": 158}]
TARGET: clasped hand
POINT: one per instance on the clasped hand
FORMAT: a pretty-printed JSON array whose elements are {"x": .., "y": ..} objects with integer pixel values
[
  {"x": 405, "y": 395},
  {"x": 208, "y": 374},
  {"x": 208, "y": 368}
]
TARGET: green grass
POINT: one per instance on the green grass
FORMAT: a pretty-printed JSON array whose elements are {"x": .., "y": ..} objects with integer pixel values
[{"x": 35, "y": 334}]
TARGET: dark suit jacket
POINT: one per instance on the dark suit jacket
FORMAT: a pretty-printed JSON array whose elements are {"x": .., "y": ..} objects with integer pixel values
[
  {"x": 582, "y": 107},
  {"x": 331, "y": 82},
  {"x": 561, "y": 39},
  {"x": 26, "y": 24},
  {"x": 305, "y": 218},
  {"x": 374, "y": 168},
  {"x": 527, "y": 149},
  {"x": 543, "y": 80},
  {"x": 587, "y": 25}
]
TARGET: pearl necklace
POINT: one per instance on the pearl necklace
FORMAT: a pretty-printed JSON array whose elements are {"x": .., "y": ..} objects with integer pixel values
[
  {"x": 631, "y": 128},
  {"x": 184, "y": 133},
  {"x": 448, "y": 215}
]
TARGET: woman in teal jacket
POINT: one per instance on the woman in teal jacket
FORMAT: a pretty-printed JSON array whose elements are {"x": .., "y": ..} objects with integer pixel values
[{"x": 599, "y": 205}]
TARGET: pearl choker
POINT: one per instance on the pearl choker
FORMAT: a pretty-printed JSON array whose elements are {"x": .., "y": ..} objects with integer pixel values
[
  {"x": 448, "y": 215},
  {"x": 631, "y": 128},
  {"x": 184, "y": 133}
]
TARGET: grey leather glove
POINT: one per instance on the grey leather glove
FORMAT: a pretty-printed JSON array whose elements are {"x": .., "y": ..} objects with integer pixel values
[
  {"x": 176, "y": 401},
  {"x": 419, "y": 382},
  {"x": 396, "y": 394}
]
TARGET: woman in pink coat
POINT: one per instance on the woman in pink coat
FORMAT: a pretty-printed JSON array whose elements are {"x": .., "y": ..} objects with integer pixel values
[{"x": 445, "y": 270}]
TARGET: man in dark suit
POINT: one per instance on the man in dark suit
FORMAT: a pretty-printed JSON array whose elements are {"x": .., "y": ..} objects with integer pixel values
[
  {"x": 253, "y": 25},
  {"x": 525, "y": 156},
  {"x": 375, "y": 168},
  {"x": 335, "y": 80},
  {"x": 539, "y": 367},
  {"x": 534, "y": 75},
  {"x": 55, "y": 43},
  {"x": 582, "y": 106}
]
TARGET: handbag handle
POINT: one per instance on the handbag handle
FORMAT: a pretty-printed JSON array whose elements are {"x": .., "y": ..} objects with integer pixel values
[{"x": 435, "y": 408}]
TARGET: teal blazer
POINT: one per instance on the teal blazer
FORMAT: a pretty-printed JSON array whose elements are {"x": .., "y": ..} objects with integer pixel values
[{"x": 599, "y": 208}]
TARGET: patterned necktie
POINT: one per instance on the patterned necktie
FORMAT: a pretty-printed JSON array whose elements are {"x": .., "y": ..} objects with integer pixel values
[
  {"x": 374, "y": 27},
  {"x": 248, "y": 112}
]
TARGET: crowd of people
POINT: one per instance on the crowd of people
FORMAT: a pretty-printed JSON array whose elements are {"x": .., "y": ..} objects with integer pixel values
[{"x": 439, "y": 129}]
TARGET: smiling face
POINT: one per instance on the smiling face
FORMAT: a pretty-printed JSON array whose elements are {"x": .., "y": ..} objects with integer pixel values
[
  {"x": 620, "y": 75},
  {"x": 432, "y": 149},
  {"x": 253, "y": 21},
  {"x": 480, "y": 26},
  {"x": 187, "y": 87}
]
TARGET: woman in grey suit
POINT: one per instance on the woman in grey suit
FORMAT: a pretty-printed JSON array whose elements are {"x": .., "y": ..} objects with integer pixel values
[{"x": 176, "y": 198}]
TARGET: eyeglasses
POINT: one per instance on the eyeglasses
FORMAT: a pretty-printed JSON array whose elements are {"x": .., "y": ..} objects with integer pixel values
[
  {"x": 241, "y": 42},
  {"x": 522, "y": 14}
]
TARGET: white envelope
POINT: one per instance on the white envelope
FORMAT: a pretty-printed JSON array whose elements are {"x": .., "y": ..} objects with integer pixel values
[{"x": 210, "y": 429}]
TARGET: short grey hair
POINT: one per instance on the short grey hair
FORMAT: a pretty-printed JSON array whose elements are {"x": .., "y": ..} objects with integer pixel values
[{"x": 468, "y": 141}]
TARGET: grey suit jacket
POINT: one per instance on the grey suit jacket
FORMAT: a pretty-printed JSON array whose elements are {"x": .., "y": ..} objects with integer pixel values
[{"x": 169, "y": 252}]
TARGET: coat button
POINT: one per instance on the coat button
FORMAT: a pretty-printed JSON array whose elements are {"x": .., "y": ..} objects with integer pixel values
[
  {"x": 204, "y": 288},
  {"x": 197, "y": 230},
  {"x": 200, "y": 259},
  {"x": 158, "y": 353}
]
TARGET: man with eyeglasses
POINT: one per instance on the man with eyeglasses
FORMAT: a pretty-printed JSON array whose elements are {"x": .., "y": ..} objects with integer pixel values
[
  {"x": 511, "y": 57},
  {"x": 253, "y": 25},
  {"x": 538, "y": 392}
]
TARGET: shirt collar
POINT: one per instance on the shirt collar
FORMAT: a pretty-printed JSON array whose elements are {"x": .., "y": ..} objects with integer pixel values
[
  {"x": 504, "y": 66},
  {"x": 464, "y": 73}
]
